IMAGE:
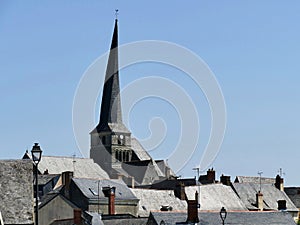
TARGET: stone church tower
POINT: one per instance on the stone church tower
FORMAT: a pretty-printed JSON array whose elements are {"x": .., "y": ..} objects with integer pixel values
[
  {"x": 111, "y": 140},
  {"x": 111, "y": 144}
]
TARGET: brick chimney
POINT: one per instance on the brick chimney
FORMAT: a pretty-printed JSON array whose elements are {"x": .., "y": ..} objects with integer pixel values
[
  {"x": 193, "y": 210},
  {"x": 279, "y": 183},
  {"x": 77, "y": 217},
  {"x": 111, "y": 201},
  {"x": 66, "y": 181},
  {"x": 281, "y": 204},
  {"x": 260, "y": 201},
  {"x": 110, "y": 193},
  {"x": 211, "y": 175},
  {"x": 225, "y": 180}
]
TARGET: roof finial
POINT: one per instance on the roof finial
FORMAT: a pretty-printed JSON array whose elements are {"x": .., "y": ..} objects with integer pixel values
[{"x": 116, "y": 13}]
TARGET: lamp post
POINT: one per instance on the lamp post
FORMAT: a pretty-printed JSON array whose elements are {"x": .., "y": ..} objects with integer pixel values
[
  {"x": 36, "y": 154},
  {"x": 223, "y": 214}
]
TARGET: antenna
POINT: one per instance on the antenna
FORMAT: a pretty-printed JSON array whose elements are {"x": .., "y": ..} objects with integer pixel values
[
  {"x": 198, "y": 184},
  {"x": 74, "y": 161},
  {"x": 281, "y": 173},
  {"x": 259, "y": 173}
]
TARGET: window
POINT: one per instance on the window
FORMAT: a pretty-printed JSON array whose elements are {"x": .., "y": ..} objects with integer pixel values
[
  {"x": 104, "y": 140},
  {"x": 93, "y": 192}
]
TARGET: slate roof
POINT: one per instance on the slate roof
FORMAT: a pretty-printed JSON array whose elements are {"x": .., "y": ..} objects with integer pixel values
[
  {"x": 139, "y": 150},
  {"x": 131, "y": 221},
  {"x": 16, "y": 191},
  {"x": 84, "y": 167},
  {"x": 215, "y": 196},
  {"x": 89, "y": 188},
  {"x": 247, "y": 193},
  {"x": 153, "y": 200},
  {"x": 44, "y": 179},
  {"x": 52, "y": 195},
  {"x": 111, "y": 127},
  {"x": 237, "y": 218},
  {"x": 294, "y": 194},
  {"x": 162, "y": 165},
  {"x": 245, "y": 179},
  {"x": 144, "y": 172},
  {"x": 172, "y": 184}
]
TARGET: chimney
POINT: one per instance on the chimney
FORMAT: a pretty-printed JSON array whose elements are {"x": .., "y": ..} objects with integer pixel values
[
  {"x": 168, "y": 172},
  {"x": 193, "y": 210},
  {"x": 225, "y": 180},
  {"x": 211, "y": 175},
  {"x": 179, "y": 191},
  {"x": 111, "y": 201},
  {"x": 110, "y": 193},
  {"x": 279, "y": 183},
  {"x": 120, "y": 176},
  {"x": 77, "y": 217},
  {"x": 259, "y": 201},
  {"x": 281, "y": 204},
  {"x": 132, "y": 182},
  {"x": 66, "y": 180}
]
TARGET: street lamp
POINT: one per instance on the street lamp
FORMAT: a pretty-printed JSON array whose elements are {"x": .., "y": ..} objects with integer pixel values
[
  {"x": 36, "y": 154},
  {"x": 223, "y": 214}
]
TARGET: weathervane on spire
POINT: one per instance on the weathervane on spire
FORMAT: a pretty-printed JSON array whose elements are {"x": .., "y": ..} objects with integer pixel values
[{"x": 116, "y": 13}]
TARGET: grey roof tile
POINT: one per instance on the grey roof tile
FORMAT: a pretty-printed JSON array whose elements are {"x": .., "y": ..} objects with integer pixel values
[
  {"x": 246, "y": 179},
  {"x": 152, "y": 200},
  {"x": 89, "y": 187},
  {"x": 214, "y": 196},
  {"x": 294, "y": 194},
  {"x": 139, "y": 150},
  {"x": 247, "y": 193},
  {"x": 82, "y": 167}
]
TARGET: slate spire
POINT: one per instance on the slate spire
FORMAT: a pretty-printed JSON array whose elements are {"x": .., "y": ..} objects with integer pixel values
[{"x": 111, "y": 102}]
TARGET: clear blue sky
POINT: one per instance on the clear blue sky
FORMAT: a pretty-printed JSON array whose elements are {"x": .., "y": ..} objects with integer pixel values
[{"x": 251, "y": 46}]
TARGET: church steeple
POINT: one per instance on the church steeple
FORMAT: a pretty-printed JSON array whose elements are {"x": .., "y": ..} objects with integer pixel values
[
  {"x": 111, "y": 140},
  {"x": 111, "y": 102}
]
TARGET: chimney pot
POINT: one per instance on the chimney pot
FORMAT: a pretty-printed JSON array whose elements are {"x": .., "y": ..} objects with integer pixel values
[
  {"x": 193, "y": 210},
  {"x": 260, "y": 201},
  {"x": 66, "y": 181},
  {"x": 225, "y": 180},
  {"x": 279, "y": 183},
  {"x": 211, "y": 175},
  {"x": 111, "y": 201}
]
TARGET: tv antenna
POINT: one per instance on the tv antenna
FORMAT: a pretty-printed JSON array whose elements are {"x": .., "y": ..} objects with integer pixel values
[
  {"x": 281, "y": 173},
  {"x": 260, "y": 173},
  {"x": 74, "y": 161}
]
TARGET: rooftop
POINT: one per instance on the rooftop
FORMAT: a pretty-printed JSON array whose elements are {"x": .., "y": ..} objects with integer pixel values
[{"x": 215, "y": 196}]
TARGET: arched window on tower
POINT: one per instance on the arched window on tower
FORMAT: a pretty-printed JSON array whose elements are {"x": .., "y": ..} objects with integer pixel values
[
  {"x": 103, "y": 140},
  {"x": 124, "y": 156},
  {"x": 127, "y": 156},
  {"x": 118, "y": 155}
]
